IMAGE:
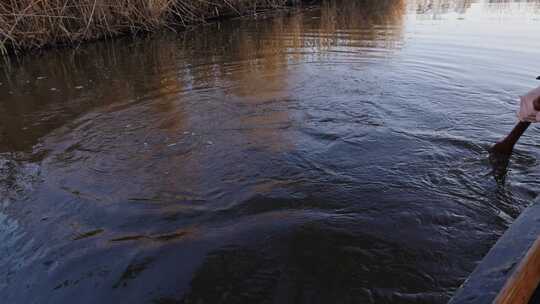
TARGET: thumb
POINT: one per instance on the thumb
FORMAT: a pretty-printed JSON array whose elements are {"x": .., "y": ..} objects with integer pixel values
[{"x": 536, "y": 103}]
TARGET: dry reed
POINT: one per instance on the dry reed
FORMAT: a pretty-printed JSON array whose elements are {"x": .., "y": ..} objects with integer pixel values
[{"x": 27, "y": 24}]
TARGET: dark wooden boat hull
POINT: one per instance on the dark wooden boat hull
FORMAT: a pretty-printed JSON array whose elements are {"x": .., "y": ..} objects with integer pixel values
[{"x": 510, "y": 272}]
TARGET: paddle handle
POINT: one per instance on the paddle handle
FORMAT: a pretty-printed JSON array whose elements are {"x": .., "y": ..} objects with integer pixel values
[{"x": 506, "y": 146}]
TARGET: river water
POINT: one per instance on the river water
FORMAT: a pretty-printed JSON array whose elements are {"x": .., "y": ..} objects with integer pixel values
[{"x": 332, "y": 154}]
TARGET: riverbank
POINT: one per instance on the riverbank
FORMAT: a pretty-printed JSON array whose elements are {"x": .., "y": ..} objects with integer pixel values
[{"x": 33, "y": 24}]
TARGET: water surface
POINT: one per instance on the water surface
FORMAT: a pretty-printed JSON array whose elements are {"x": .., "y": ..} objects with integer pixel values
[{"x": 333, "y": 154}]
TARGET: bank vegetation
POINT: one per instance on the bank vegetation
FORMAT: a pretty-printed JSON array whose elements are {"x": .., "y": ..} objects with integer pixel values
[{"x": 31, "y": 24}]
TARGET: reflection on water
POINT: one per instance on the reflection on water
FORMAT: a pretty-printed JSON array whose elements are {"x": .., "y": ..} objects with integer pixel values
[
  {"x": 425, "y": 8},
  {"x": 337, "y": 153}
]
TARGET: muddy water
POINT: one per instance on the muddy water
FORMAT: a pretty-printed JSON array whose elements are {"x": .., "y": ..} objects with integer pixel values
[{"x": 335, "y": 154}]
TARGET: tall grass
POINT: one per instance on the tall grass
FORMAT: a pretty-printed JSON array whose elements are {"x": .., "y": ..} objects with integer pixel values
[{"x": 27, "y": 24}]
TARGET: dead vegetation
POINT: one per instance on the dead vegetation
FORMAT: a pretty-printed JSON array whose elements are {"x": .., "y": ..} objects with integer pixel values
[{"x": 29, "y": 24}]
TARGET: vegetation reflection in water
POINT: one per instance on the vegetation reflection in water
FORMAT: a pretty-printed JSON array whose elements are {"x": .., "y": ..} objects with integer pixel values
[{"x": 323, "y": 155}]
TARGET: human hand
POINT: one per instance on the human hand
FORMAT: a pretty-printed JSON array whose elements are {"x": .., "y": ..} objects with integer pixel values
[{"x": 529, "y": 108}]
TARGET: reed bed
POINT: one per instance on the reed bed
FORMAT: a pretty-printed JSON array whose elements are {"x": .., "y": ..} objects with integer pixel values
[{"x": 30, "y": 24}]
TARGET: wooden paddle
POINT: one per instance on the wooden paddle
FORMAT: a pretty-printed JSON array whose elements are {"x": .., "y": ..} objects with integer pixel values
[{"x": 505, "y": 147}]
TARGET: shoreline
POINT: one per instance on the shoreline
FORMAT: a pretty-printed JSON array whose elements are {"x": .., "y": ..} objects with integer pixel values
[{"x": 36, "y": 25}]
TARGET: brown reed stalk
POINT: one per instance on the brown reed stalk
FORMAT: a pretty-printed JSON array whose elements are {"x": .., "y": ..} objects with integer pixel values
[{"x": 29, "y": 24}]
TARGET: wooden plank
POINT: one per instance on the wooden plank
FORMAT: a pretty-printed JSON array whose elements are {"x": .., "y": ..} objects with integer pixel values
[
  {"x": 524, "y": 281},
  {"x": 510, "y": 271}
]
